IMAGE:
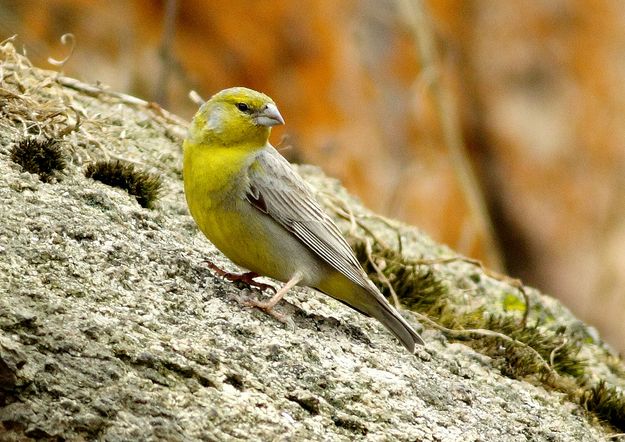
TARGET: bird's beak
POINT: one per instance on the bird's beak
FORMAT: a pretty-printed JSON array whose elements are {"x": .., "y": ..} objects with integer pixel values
[{"x": 269, "y": 116}]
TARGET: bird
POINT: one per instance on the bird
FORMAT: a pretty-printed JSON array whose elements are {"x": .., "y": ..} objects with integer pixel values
[{"x": 259, "y": 212}]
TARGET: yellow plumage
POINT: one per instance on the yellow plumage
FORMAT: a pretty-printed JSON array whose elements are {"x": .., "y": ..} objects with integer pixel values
[{"x": 254, "y": 207}]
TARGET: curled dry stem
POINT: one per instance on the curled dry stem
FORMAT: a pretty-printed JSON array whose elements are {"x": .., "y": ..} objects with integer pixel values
[
  {"x": 67, "y": 40},
  {"x": 381, "y": 274}
]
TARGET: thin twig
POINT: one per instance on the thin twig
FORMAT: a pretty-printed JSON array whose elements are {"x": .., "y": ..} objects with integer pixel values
[
  {"x": 98, "y": 91},
  {"x": 554, "y": 352},
  {"x": 196, "y": 98},
  {"x": 343, "y": 211},
  {"x": 381, "y": 275}
]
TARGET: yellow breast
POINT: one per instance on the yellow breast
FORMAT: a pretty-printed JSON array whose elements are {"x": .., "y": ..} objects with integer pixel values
[{"x": 215, "y": 185}]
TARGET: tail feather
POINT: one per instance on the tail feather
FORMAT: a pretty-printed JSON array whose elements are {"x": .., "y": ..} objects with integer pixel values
[
  {"x": 371, "y": 302},
  {"x": 397, "y": 325}
]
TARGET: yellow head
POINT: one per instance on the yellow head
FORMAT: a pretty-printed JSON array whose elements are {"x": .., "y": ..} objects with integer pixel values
[{"x": 236, "y": 116}]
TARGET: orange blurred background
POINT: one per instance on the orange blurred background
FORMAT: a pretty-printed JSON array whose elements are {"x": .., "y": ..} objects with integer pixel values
[{"x": 538, "y": 87}]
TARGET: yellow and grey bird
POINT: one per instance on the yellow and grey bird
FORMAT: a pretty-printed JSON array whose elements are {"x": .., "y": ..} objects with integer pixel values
[{"x": 255, "y": 208}]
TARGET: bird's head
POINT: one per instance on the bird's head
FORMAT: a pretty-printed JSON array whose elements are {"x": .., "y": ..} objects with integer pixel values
[{"x": 235, "y": 116}]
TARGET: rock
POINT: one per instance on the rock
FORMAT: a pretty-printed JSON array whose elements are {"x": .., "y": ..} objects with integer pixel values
[{"x": 112, "y": 327}]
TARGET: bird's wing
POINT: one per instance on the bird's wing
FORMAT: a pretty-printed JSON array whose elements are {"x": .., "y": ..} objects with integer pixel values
[{"x": 277, "y": 190}]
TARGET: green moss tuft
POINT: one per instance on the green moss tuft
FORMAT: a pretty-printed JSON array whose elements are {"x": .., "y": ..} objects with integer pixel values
[
  {"x": 43, "y": 157},
  {"x": 417, "y": 287},
  {"x": 560, "y": 351},
  {"x": 606, "y": 402},
  {"x": 142, "y": 185}
]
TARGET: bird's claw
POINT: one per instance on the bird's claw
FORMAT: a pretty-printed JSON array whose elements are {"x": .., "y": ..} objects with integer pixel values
[
  {"x": 244, "y": 278},
  {"x": 267, "y": 307}
]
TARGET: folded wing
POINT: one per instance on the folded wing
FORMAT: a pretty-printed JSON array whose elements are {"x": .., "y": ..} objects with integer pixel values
[{"x": 276, "y": 189}]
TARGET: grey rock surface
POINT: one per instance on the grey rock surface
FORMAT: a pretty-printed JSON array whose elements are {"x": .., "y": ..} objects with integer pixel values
[{"x": 113, "y": 328}]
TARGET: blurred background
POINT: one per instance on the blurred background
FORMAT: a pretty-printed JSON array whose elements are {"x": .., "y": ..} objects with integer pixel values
[{"x": 401, "y": 100}]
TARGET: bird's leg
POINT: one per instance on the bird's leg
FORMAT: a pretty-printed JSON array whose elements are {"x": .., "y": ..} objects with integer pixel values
[
  {"x": 268, "y": 306},
  {"x": 246, "y": 278}
]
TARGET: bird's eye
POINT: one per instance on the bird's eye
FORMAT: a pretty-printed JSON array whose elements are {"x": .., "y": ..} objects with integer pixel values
[{"x": 243, "y": 107}]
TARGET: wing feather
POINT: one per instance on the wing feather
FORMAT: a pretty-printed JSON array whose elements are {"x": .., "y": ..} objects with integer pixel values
[{"x": 277, "y": 190}]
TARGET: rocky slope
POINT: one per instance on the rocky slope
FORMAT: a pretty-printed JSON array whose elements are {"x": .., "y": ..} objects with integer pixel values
[{"x": 113, "y": 328}]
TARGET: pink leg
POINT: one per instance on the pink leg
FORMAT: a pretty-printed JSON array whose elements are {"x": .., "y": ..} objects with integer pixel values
[{"x": 268, "y": 306}]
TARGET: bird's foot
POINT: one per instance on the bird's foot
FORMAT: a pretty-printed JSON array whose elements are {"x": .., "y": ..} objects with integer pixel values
[
  {"x": 244, "y": 278},
  {"x": 267, "y": 307}
]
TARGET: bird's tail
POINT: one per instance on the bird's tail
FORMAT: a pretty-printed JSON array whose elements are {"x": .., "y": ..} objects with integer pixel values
[
  {"x": 371, "y": 302},
  {"x": 397, "y": 325}
]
